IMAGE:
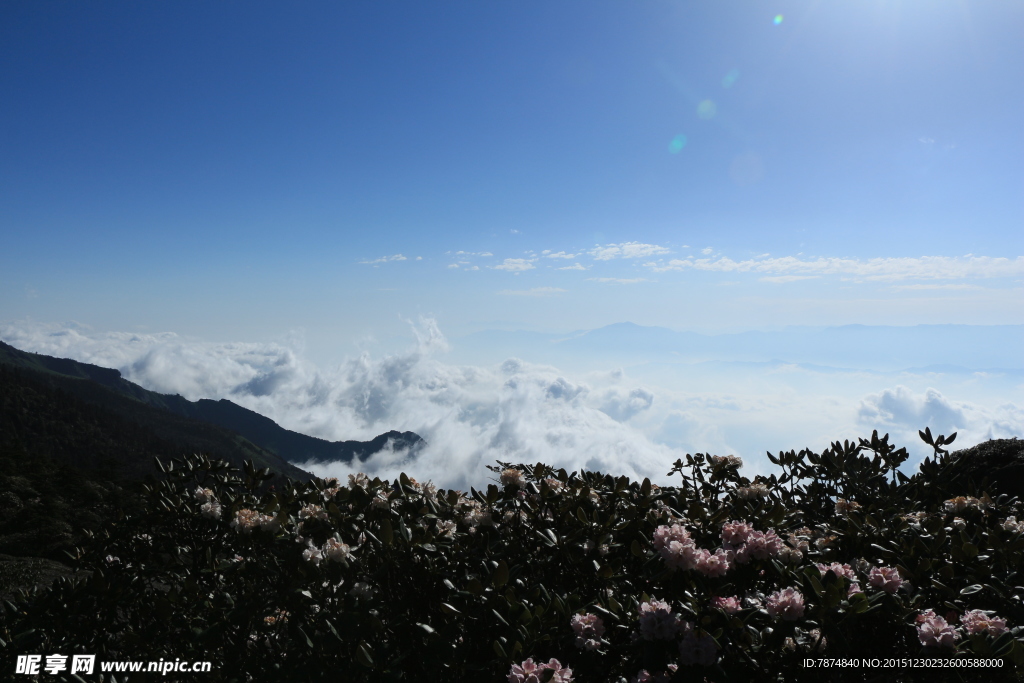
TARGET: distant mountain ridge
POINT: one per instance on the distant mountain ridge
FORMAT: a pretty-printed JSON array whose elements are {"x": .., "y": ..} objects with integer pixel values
[
  {"x": 874, "y": 347},
  {"x": 281, "y": 449}
]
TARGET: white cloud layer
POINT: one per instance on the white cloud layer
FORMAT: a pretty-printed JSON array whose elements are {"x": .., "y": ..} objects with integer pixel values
[
  {"x": 635, "y": 425},
  {"x": 385, "y": 259},
  {"x": 626, "y": 250},
  {"x": 515, "y": 265},
  {"x": 920, "y": 268}
]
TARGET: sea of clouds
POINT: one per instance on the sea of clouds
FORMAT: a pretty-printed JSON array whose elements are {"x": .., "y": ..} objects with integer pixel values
[{"x": 632, "y": 420}]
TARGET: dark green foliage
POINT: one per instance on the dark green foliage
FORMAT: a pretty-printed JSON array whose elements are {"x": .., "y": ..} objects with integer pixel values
[{"x": 417, "y": 601}]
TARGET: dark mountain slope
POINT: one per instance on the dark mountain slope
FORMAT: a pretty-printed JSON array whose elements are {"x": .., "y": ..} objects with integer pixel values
[
  {"x": 92, "y": 427},
  {"x": 290, "y": 446}
]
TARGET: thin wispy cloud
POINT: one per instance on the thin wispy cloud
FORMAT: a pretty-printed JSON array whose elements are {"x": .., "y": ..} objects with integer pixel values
[
  {"x": 575, "y": 266},
  {"x": 903, "y": 268},
  {"x": 536, "y": 291},
  {"x": 779, "y": 279},
  {"x": 386, "y": 259},
  {"x": 515, "y": 265},
  {"x": 626, "y": 250},
  {"x": 940, "y": 287},
  {"x": 558, "y": 254},
  {"x": 619, "y": 280}
]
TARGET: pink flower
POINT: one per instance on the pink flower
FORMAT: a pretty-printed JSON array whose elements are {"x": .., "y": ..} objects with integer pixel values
[
  {"x": 787, "y": 603},
  {"x": 680, "y": 554},
  {"x": 854, "y": 588},
  {"x": 694, "y": 649},
  {"x": 763, "y": 545},
  {"x": 713, "y": 565},
  {"x": 665, "y": 534},
  {"x": 589, "y": 628},
  {"x": 735, "y": 533},
  {"x": 886, "y": 578},
  {"x": 657, "y": 622},
  {"x": 727, "y": 605},
  {"x": 977, "y": 621},
  {"x": 560, "y": 675},
  {"x": 527, "y": 672},
  {"x": 933, "y": 631},
  {"x": 844, "y": 570}
]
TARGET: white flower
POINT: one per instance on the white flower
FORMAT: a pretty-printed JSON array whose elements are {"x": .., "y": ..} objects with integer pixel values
[
  {"x": 512, "y": 477},
  {"x": 204, "y": 495},
  {"x": 359, "y": 479},
  {"x": 312, "y": 512},
  {"x": 336, "y": 551},
  {"x": 211, "y": 510},
  {"x": 312, "y": 554}
]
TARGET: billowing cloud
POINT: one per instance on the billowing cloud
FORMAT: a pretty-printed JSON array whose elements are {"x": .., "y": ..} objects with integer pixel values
[
  {"x": 626, "y": 250},
  {"x": 472, "y": 415},
  {"x": 515, "y": 265},
  {"x": 621, "y": 405},
  {"x": 920, "y": 268},
  {"x": 904, "y": 411},
  {"x": 385, "y": 259}
]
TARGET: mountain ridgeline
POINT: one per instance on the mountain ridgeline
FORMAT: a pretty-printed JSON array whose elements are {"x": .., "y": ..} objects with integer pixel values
[{"x": 108, "y": 421}]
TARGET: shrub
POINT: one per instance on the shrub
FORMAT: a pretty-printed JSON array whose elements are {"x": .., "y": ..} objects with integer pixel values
[{"x": 720, "y": 578}]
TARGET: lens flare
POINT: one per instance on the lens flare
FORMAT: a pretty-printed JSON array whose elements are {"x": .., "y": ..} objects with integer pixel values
[
  {"x": 677, "y": 144},
  {"x": 731, "y": 78},
  {"x": 707, "y": 110},
  {"x": 778, "y": 19}
]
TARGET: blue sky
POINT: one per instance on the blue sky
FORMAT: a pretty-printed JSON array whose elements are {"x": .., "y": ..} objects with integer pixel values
[
  {"x": 308, "y": 178},
  {"x": 174, "y": 165}
]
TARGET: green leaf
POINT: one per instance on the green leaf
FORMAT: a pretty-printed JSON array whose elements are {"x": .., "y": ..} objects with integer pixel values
[
  {"x": 387, "y": 534},
  {"x": 500, "y": 576},
  {"x": 364, "y": 655},
  {"x": 972, "y": 589}
]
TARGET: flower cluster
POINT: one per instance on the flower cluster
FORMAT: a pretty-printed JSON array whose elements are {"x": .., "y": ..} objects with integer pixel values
[
  {"x": 1013, "y": 526},
  {"x": 662, "y": 677},
  {"x": 730, "y": 605},
  {"x": 531, "y": 672},
  {"x": 843, "y": 570},
  {"x": 845, "y": 507},
  {"x": 658, "y": 622},
  {"x": 312, "y": 512},
  {"x": 934, "y": 631},
  {"x": 755, "y": 490},
  {"x": 589, "y": 629},
  {"x": 246, "y": 520},
  {"x": 787, "y": 603},
  {"x": 961, "y": 503},
  {"x": 886, "y": 578},
  {"x": 976, "y": 621},
  {"x": 513, "y": 477},
  {"x": 726, "y": 461}
]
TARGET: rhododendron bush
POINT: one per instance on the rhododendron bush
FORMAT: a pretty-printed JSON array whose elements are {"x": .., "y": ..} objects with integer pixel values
[{"x": 552, "y": 576}]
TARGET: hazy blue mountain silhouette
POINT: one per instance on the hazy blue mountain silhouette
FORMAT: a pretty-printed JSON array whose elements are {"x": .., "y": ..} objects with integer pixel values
[
  {"x": 290, "y": 447},
  {"x": 867, "y": 347}
]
